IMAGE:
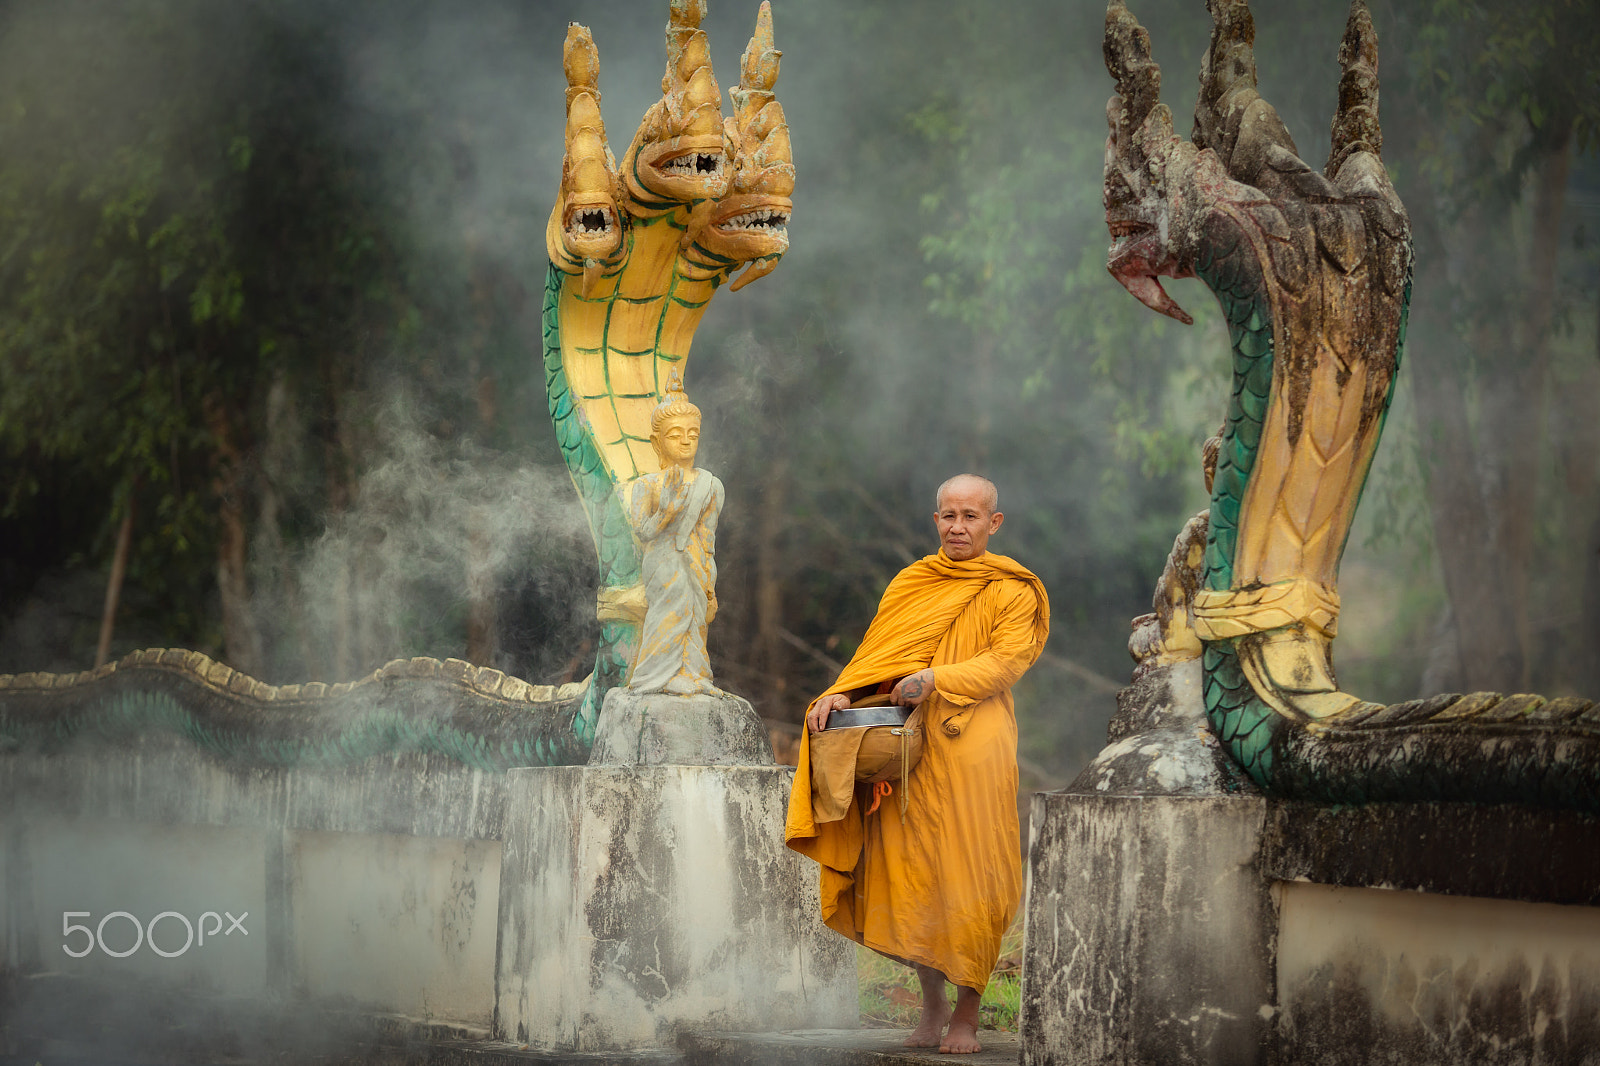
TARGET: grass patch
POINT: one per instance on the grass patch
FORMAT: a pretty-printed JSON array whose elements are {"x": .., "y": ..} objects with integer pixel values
[{"x": 890, "y": 997}]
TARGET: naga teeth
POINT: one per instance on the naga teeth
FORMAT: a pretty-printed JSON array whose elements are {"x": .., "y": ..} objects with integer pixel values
[
  {"x": 766, "y": 219},
  {"x": 693, "y": 163},
  {"x": 1123, "y": 227},
  {"x": 594, "y": 220}
]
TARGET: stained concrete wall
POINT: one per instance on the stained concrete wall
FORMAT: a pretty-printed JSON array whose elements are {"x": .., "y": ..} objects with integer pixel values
[
  {"x": 1182, "y": 929},
  {"x": 595, "y": 907},
  {"x": 409, "y": 923},
  {"x": 105, "y": 877},
  {"x": 1370, "y": 976},
  {"x": 1149, "y": 933},
  {"x": 374, "y": 887},
  {"x": 639, "y": 903},
  {"x": 1175, "y": 915}
]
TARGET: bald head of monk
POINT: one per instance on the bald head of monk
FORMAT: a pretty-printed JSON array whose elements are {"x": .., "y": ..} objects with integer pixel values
[{"x": 967, "y": 512}]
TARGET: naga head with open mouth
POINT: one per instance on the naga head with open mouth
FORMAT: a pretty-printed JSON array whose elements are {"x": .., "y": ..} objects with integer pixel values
[
  {"x": 680, "y": 154},
  {"x": 587, "y": 216},
  {"x": 1150, "y": 174},
  {"x": 751, "y": 223}
]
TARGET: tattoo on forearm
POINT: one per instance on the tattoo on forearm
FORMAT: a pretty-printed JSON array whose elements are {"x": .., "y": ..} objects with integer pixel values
[{"x": 914, "y": 687}]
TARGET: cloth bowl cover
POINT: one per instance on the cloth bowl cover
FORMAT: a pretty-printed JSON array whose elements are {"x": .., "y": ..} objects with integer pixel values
[{"x": 840, "y": 758}]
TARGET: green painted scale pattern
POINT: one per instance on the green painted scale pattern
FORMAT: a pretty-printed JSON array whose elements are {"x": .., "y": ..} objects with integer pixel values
[
  {"x": 1245, "y": 724},
  {"x": 1482, "y": 747},
  {"x": 615, "y": 545},
  {"x": 375, "y": 718},
  {"x": 613, "y": 537}
]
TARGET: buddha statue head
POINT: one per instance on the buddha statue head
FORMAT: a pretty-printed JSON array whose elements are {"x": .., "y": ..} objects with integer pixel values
[{"x": 675, "y": 427}]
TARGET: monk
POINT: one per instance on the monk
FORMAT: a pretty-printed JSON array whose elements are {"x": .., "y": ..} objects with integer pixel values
[{"x": 936, "y": 888}]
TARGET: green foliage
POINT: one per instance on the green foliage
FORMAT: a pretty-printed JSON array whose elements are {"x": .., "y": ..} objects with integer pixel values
[
  {"x": 1500, "y": 83},
  {"x": 124, "y": 303},
  {"x": 188, "y": 225}
]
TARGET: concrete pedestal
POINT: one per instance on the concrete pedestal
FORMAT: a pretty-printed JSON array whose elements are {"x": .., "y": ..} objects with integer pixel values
[
  {"x": 643, "y": 901},
  {"x": 657, "y": 728},
  {"x": 1149, "y": 932},
  {"x": 1175, "y": 916}
]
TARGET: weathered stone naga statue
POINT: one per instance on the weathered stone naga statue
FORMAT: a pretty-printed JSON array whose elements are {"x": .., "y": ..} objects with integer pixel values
[
  {"x": 636, "y": 253},
  {"x": 1313, "y": 274}
]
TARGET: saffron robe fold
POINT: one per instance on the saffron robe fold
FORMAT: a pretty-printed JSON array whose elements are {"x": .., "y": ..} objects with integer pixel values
[{"x": 941, "y": 885}]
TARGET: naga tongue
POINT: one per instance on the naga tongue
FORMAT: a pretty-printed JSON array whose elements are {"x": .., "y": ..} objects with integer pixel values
[
  {"x": 1148, "y": 291},
  {"x": 1138, "y": 264}
]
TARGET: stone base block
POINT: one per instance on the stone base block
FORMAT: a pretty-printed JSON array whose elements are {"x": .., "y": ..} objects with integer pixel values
[
  {"x": 1159, "y": 743},
  {"x": 651, "y": 729},
  {"x": 1174, "y": 929},
  {"x": 1149, "y": 932},
  {"x": 640, "y": 902}
]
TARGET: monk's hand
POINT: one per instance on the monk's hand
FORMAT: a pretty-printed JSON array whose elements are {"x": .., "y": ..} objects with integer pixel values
[
  {"x": 817, "y": 717},
  {"x": 913, "y": 688}
]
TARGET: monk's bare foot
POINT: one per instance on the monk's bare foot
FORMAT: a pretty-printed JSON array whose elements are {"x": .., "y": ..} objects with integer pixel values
[
  {"x": 935, "y": 1009},
  {"x": 962, "y": 1039},
  {"x": 930, "y": 1027}
]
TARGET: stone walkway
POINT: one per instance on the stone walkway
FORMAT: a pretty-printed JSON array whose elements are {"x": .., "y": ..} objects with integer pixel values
[
  {"x": 392, "y": 1042},
  {"x": 808, "y": 1047},
  {"x": 836, "y": 1047}
]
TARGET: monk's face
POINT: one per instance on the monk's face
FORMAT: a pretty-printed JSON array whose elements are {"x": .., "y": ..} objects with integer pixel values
[
  {"x": 964, "y": 520},
  {"x": 678, "y": 440}
]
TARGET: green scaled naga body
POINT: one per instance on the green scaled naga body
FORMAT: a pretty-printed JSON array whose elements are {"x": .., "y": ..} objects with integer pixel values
[
  {"x": 636, "y": 253},
  {"x": 473, "y": 715},
  {"x": 1313, "y": 275}
]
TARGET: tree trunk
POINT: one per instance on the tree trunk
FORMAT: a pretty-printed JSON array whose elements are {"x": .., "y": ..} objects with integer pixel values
[
  {"x": 281, "y": 623},
  {"x": 482, "y": 631},
  {"x": 1514, "y": 407},
  {"x": 343, "y": 666},
  {"x": 1588, "y": 658},
  {"x": 1583, "y": 496},
  {"x": 483, "y": 639},
  {"x": 119, "y": 570},
  {"x": 241, "y": 640},
  {"x": 339, "y": 466},
  {"x": 1462, "y": 529},
  {"x": 770, "y": 650}
]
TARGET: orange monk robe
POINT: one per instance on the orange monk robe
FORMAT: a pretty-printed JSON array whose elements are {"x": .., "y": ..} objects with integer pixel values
[{"x": 940, "y": 885}]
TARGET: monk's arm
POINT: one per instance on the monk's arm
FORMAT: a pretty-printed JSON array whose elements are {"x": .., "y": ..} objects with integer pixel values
[
  {"x": 849, "y": 697},
  {"x": 995, "y": 669},
  {"x": 821, "y": 707}
]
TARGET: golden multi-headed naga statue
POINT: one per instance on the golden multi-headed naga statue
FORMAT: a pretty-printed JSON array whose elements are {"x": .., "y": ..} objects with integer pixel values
[{"x": 636, "y": 253}]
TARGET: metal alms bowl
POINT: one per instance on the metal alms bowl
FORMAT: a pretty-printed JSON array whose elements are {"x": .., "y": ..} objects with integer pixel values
[{"x": 869, "y": 711}]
